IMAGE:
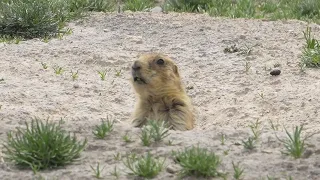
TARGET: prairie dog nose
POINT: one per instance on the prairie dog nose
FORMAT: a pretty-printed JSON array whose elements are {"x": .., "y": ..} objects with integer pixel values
[{"x": 136, "y": 66}]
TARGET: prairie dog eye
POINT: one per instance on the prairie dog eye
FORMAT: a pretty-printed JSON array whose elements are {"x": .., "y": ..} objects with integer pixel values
[{"x": 160, "y": 61}]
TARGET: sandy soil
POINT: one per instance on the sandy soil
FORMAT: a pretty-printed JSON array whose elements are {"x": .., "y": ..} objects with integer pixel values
[{"x": 226, "y": 98}]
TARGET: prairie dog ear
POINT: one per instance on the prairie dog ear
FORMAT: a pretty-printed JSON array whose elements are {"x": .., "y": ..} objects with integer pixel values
[{"x": 175, "y": 70}]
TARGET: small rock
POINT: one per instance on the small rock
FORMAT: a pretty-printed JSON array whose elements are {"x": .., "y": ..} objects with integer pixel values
[
  {"x": 302, "y": 168},
  {"x": 307, "y": 153},
  {"x": 76, "y": 86},
  {"x": 172, "y": 169},
  {"x": 275, "y": 72},
  {"x": 156, "y": 9},
  {"x": 242, "y": 37}
]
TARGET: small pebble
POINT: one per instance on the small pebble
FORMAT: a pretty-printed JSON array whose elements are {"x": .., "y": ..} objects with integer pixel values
[
  {"x": 307, "y": 153},
  {"x": 275, "y": 72},
  {"x": 76, "y": 86},
  {"x": 172, "y": 169}
]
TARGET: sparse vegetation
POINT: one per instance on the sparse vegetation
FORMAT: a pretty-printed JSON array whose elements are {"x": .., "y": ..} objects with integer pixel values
[
  {"x": 138, "y": 5},
  {"x": 294, "y": 144},
  {"x": 246, "y": 50},
  {"x": 231, "y": 49},
  {"x": 247, "y": 67},
  {"x": 102, "y": 75},
  {"x": 249, "y": 143},
  {"x": 58, "y": 70},
  {"x": 102, "y": 130},
  {"x": 154, "y": 130},
  {"x": 145, "y": 137},
  {"x": 222, "y": 138},
  {"x": 282, "y": 9},
  {"x": 97, "y": 171},
  {"x": 117, "y": 156},
  {"x": 158, "y": 130},
  {"x": 199, "y": 162},
  {"x": 256, "y": 129},
  {"x": 144, "y": 166},
  {"x": 44, "y": 65},
  {"x": 115, "y": 173},
  {"x": 44, "y": 18},
  {"x": 126, "y": 138},
  {"x": 311, "y": 52},
  {"x": 74, "y": 75},
  {"x": 238, "y": 171},
  {"x": 275, "y": 65},
  {"x": 118, "y": 72},
  {"x": 42, "y": 145}
]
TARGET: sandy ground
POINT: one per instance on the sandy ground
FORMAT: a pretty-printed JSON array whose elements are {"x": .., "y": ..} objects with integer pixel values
[{"x": 226, "y": 98}]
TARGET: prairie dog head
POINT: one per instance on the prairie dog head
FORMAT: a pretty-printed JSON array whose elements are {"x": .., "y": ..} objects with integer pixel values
[{"x": 154, "y": 74}]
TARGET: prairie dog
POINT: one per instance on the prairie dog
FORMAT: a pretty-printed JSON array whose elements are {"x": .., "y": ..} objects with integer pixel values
[{"x": 160, "y": 94}]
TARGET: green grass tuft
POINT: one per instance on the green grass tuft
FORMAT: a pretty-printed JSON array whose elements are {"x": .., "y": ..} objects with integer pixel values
[
  {"x": 144, "y": 166},
  {"x": 198, "y": 162},
  {"x": 44, "y": 18},
  {"x": 138, "y": 5},
  {"x": 238, "y": 171},
  {"x": 97, "y": 171},
  {"x": 249, "y": 144},
  {"x": 311, "y": 53},
  {"x": 281, "y": 9},
  {"x": 294, "y": 144},
  {"x": 42, "y": 145},
  {"x": 102, "y": 130},
  {"x": 154, "y": 131}
]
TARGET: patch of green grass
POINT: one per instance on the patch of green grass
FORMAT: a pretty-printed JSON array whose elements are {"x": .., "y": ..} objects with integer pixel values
[
  {"x": 102, "y": 75},
  {"x": 145, "y": 137},
  {"x": 10, "y": 40},
  {"x": 44, "y": 65},
  {"x": 281, "y": 9},
  {"x": 115, "y": 173},
  {"x": 97, "y": 171},
  {"x": 238, "y": 171},
  {"x": 249, "y": 143},
  {"x": 117, "y": 156},
  {"x": 138, "y": 5},
  {"x": 144, "y": 166},
  {"x": 223, "y": 138},
  {"x": 154, "y": 131},
  {"x": 42, "y": 145},
  {"x": 199, "y": 162},
  {"x": 126, "y": 138},
  {"x": 102, "y": 130},
  {"x": 294, "y": 144},
  {"x": 74, "y": 75},
  {"x": 118, "y": 72},
  {"x": 256, "y": 129},
  {"x": 58, "y": 70},
  {"x": 158, "y": 130},
  {"x": 187, "y": 5},
  {"x": 311, "y": 52},
  {"x": 100, "y": 5},
  {"x": 44, "y": 18}
]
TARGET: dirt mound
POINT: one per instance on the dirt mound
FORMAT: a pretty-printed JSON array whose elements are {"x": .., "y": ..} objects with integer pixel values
[{"x": 229, "y": 90}]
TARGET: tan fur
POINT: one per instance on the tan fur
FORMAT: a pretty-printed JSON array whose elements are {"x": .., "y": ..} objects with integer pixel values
[{"x": 160, "y": 95}]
